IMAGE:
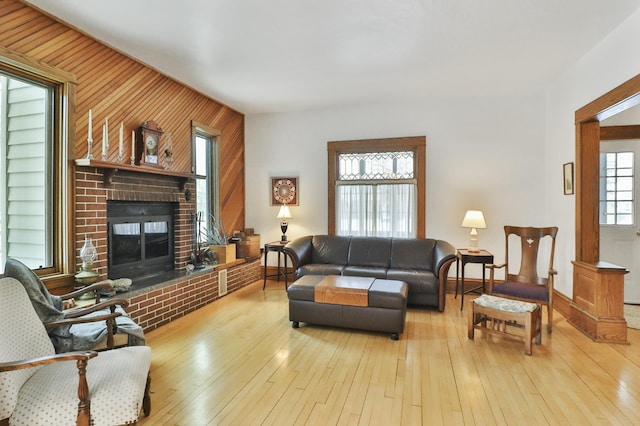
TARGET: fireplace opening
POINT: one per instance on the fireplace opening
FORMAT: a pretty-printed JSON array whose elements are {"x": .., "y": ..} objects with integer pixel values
[{"x": 140, "y": 240}]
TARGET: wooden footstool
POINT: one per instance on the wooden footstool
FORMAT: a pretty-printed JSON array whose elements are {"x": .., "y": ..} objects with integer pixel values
[{"x": 502, "y": 313}]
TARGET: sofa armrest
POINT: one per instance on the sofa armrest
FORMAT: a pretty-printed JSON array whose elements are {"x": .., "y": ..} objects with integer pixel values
[
  {"x": 443, "y": 253},
  {"x": 300, "y": 250}
]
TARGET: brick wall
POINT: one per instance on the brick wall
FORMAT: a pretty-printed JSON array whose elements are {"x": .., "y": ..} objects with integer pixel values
[
  {"x": 162, "y": 305},
  {"x": 162, "y": 302}
]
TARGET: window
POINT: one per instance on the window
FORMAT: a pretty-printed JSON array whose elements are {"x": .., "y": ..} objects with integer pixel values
[
  {"x": 34, "y": 182},
  {"x": 616, "y": 188},
  {"x": 377, "y": 187},
  {"x": 205, "y": 158}
]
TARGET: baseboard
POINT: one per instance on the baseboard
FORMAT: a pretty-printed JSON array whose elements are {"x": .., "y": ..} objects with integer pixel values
[{"x": 561, "y": 304}]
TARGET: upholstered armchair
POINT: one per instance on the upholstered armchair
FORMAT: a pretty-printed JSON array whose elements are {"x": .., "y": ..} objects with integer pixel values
[
  {"x": 104, "y": 325},
  {"x": 40, "y": 387}
]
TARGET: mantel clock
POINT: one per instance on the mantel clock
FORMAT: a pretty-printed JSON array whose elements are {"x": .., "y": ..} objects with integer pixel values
[{"x": 148, "y": 144}]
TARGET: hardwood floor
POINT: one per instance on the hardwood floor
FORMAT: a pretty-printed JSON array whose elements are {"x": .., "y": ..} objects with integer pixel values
[{"x": 238, "y": 361}]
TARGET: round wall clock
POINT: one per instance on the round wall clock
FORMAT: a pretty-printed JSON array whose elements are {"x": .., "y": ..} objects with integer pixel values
[{"x": 284, "y": 191}]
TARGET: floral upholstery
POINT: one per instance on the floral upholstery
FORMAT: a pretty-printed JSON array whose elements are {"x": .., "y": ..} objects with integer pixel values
[
  {"x": 502, "y": 304},
  {"x": 47, "y": 395}
]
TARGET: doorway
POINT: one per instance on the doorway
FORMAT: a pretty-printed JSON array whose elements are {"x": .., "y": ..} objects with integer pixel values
[
  {"x": 619, "y": 215},
  {"x": 588, "y": 133}
]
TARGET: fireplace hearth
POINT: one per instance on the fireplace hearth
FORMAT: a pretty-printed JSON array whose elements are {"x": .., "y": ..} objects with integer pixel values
[{"x": 140, "y": 239}]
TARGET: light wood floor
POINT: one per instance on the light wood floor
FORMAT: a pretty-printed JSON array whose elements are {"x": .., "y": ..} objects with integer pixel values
[{"x": 238, "y": 361}]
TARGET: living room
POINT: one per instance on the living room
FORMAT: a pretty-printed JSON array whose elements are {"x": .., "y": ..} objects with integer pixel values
[{"x": 497, "y": 151}]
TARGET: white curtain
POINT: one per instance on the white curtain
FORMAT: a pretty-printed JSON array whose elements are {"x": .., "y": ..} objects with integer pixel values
[
  {"x": 126, "y": 229},
  {"x": 382, "y": 210}
]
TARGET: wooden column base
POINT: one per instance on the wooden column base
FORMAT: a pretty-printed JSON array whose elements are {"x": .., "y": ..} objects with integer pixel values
[
  {"x": 597, "y": 308},
  {"x": 600, "y": 330}
]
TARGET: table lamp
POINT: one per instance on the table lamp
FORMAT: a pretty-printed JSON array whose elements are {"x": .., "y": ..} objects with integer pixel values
[
  {"x": 473, "y": 219},
  {"x": 284, "y": 214}
]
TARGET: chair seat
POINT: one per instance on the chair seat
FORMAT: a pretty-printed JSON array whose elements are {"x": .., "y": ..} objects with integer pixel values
[
  {"x": 507, "y": 305},
  {"x": 49, "y": 396},
  {"x": 522, "y": 291}
]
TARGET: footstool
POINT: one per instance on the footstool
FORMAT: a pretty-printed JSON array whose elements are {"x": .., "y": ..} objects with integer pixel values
[
  {"x": 352, "y": 302},
  {"x": 502, "y": 313}
]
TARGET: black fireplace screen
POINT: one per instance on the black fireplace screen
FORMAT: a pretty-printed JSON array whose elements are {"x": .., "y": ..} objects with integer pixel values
[{"x": 140, "y": 239}]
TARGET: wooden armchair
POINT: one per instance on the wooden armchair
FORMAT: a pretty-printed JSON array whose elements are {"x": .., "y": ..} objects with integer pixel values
[
  {"x": 526, "y": 284},
  {"x": 104, "y": 325},
  {"x": 38, "y": 387}
]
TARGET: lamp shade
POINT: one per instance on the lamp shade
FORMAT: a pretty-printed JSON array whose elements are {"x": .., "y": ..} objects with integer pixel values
[
  {"x": 474, "y": 219},
  {"x": 284, "y": 212}
]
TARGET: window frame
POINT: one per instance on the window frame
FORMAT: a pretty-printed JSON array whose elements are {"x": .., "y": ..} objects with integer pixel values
[
  {"x": 417, "y": 144},
  {"x": 202, "y": 130},
  {"x": 60, "y": 273}
]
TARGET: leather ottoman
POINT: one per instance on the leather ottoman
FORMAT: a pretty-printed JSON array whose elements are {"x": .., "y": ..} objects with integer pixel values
[{"x": 338, "y": 301}]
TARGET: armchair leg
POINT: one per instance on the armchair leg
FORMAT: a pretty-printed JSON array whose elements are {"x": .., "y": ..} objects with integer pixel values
[
  {"x": 84, "y": 406},
  {"x": 146, "y": 401}
]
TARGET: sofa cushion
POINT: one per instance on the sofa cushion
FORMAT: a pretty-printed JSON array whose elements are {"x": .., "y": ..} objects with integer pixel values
[
  {"x": 330, "y": 249},
  {"x": 412, "y": 253},
  {"x": 418, "y": 281},
  {"x": 320, "y": 269},
  {"x": 369, "y": 251},
  {"x": 365, "y": 271}
]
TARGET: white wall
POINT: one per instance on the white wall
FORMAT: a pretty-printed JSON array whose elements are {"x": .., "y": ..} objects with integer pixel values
[
  {"x": 482, "y": 153},
  {"x": 612, "y": 62},
  {"x": 502, "y": 155}
]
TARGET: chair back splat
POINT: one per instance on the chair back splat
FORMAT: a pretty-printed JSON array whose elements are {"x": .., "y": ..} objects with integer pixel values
[{"x": 530, "y": 244}]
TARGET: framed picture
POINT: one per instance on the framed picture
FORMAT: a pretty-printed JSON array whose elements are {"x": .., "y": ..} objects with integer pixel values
[
  {"x": 567, "y": 169},
  {"x": 284, "y": 190}
]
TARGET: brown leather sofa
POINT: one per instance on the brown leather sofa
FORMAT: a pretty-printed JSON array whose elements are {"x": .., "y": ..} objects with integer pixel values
[{"x": 422, "y": 263}]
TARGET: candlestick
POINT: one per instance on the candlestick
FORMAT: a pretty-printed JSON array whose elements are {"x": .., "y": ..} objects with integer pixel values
[
  {"x": 89, "y": 139},
  {"x": 104, "y": 143},
  {"x": 90, "y": 130},
  {"x": 133, "y": 147},
  {"x": 106, "y": 124},
  {"x": 120, "y": 143}
]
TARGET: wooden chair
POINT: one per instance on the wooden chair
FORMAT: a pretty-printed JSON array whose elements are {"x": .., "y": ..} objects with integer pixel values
[
  {"x": 526, "y": 285},
  {"x": 40, "y": 387},
  {"x": 104, "y": 325}
]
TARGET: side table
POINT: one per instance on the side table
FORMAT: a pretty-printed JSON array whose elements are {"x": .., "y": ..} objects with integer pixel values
[
  {"x": 465, "y": 256},
  {"x": 277, "y": 246}
]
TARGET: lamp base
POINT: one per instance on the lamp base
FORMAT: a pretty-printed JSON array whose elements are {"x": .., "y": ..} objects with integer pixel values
[
  {"x": 284, "y": 225},
  {"x": 473, "y": 241}
]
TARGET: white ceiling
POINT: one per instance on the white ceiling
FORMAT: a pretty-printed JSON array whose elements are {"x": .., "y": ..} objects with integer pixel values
[{"x": 261, "y": 56}]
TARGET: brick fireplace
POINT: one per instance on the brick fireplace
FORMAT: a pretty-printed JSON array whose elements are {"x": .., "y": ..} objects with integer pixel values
[{"x": 180, "y": 293}]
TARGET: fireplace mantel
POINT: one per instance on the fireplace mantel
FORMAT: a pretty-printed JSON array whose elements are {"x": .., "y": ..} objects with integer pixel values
[{"x": 110, "y": 169}]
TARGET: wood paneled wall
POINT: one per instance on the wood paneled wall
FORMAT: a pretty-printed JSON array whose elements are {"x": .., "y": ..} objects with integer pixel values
[{"x": 122, "y": 89}]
